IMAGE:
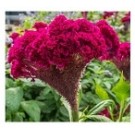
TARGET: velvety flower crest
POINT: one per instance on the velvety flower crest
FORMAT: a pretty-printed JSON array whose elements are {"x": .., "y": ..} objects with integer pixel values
[
  {"x": 58, "y": 52},
  {"x": 111, "y": 38}
]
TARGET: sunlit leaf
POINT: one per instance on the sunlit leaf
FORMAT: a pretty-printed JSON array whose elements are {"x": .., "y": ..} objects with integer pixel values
[
  {"x": 122, "y": 89},
  {"x": 101, "y": 92},
  {"x": 126, "y": 119}
]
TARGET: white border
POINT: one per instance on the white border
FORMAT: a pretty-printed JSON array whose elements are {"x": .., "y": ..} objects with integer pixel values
[
  {"x": 65, "y": 128},
  {"x": 66, "y": 5}
]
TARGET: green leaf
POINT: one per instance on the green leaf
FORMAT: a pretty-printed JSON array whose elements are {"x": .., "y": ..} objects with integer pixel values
[
  {"x": 27, "y": 23},
  {"x": 14, "y": 97},
  {"x": 101, "y": 92},
  {"x": 100, "y": 106},
  {"x": 19, "y": 116},
  {"x": 55, "y": 95},
  {"x": 122, "y": 89},
  {"x": 40, "y": 104},
  {"x": 127, "y": 104},
  {"x": 43, "y": 94},
  {"x": 96, "y": 118},
  {"x": 126, "y": 119},
  {"x": 107, "y": 85},
  {"x": 8, "y": 115},
  {"x": 32, "y": 109},
  {"x": 9, "y": 83},
  {"x": 64, "y": 111}
]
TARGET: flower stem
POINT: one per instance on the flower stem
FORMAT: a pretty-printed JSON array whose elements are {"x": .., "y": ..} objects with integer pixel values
[
  {"x": 75, "y": 109},
  {"x": 75, "y": 116}
]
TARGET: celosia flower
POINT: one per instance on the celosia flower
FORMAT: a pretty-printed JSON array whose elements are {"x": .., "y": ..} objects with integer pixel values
[
  {"x": 122, "y": 59},
  {"x": 111, "y": 39},
  {"x": 58, "y": 53},
  {"x": 123, "y": 51},
  {"x": 126, "y": 18},
  {"x": 126, "y": 21},
  {"x": 107, "y": 14},
  {"x": 39, "y": 25},
  {"x": 14, "y": 36}
]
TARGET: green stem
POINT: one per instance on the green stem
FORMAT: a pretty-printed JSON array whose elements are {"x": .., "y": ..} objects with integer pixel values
[
  {"x": 75, "y": 116},
  {"x": 75, "y": 108},
  {"x": 121, "y": 111}
]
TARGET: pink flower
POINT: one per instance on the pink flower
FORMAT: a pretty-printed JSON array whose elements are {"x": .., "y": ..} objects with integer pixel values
[
  {"x": 123, "y": 51},
  {"x": 108, "y": 14},
  {"x": 122, "y": 59},
  {"x": 14, "y": 36},
  {"x": 39, "y": 25},
  {"x": 111, "y": 39},
  {"x": 59, "y": 52},
  {"x": 126, "y": 22},
  {"x": 17, "y": 69},
  {"x": 17, "y": 51},
  {"x": 126, "y": 18}
]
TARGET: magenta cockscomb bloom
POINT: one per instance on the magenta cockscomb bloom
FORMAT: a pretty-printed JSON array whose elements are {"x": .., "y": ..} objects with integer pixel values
[
  {"x": 126, "y": 18},
  {"x": 14, "y": 36},
  {"x": 108, "y": 14},
  {"x": 39, "y": 25},
  {"x": 59, "y": 53},
  {"x": 124, "y": 51},
  {"x": 122, "y": 59},
  {"x": 111, "y": 39},
  {"x": 126, "y": 22}
]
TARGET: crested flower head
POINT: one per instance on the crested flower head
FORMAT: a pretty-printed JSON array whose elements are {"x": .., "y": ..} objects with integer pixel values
[
  {"x": 108, "y": 14},
  {"x": 126, "y": 18},
  {"x": 111, "y": 38},
  {"x": 14, "y": 36},
  {"x": 122, "y": 59},
  {"x": 123, "y": 51},
  {"x": 126, "y": 22},
  {"x": 59, "y": 52},
  {"x": 39, "y": 25}
]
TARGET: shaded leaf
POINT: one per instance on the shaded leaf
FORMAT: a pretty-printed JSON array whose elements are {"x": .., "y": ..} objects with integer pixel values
[
  {"x": 64, "y": 111},
  {"x": 19, "y": 116},
  {"x": 32, "y": 109}
]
